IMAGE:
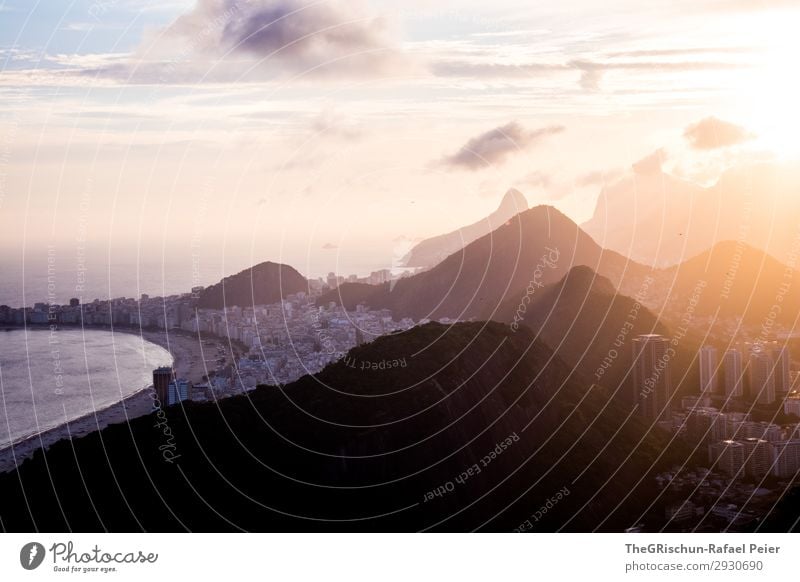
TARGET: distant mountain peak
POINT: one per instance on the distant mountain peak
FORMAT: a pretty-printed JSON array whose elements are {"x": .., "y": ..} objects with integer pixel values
[
  {"x": 431, "y": 251},
  {"x": 513, "y": 200}
]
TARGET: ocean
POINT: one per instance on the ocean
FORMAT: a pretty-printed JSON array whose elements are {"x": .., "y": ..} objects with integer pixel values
[
  {"x": 57, "y": 277},
  {"x": 50, "y": 378}
]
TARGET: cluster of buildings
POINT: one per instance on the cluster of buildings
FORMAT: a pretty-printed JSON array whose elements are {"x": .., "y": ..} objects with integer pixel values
[
  {"x": 295, "y": 337},
  {"x": 761, "y": 374},
  {"x": 157, "y": 312},
  {"x": 278, "y": 343},
  {"x": 737, "y": 445},
  {"x": 375, "y": 278},
  {"x": 760, "y": 371},
  {"x": 701, "y": 499},
  {"x": 170, "y": 389},
  {"x": 756, "y": 457}
]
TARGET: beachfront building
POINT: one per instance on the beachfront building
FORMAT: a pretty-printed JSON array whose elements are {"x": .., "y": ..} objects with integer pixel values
[
  {"x": 162, "y": 377},
  {"x": 179, "y": 390}
]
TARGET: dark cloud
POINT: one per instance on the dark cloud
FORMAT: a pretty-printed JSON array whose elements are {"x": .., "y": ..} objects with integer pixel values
[
  {"x": 293, "y": 31},
  {"x": 241, "y": 40},
  {"x": 651, "y": 164},
  {"x": 494, "y": 146},
  {"x": 712, "y": 133}
]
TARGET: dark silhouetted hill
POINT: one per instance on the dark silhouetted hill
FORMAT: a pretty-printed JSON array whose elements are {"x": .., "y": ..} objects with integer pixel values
[
  {"x": 588, "y": 324},
  {"x": 262, "y": 284},
  {"x": 536, "y": 247},
  {"x": 490, "y": 420},
  {"x": 736, "y": 280}
]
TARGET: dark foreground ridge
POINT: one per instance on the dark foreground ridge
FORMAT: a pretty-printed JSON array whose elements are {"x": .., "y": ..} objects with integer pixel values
[{"x": 458, "y": 428}]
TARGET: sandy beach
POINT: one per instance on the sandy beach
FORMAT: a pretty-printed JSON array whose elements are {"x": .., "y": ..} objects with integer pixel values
[
  {"x": 188, "y": 352},
  {"x": 188, "y": 355}
]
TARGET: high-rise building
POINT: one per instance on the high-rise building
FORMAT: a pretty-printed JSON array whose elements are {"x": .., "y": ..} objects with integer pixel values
[
  {"x": 762, "y": 379},
  {"x": 708, "y": 370},
  {"x": 732, "y": 363},
  {"x": 787, "y": 458},
  {"x": 791, "y": 405},
  {"x": 652, "y": 388},
  {"x": 781, "y": 358},
  {"x": 333, "y": 281},
  {"x": 161, "y": 380},
  {"x": 705, "y": 424},
  {"x": 178, "y": 391},
  {"x": 727, "y": 456},
  {"x": 360, "y": 340},
  {"x": 757, "y": 457}
]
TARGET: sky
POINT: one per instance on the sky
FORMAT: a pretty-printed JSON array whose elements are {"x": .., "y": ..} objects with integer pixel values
[{"x": 330, "y": 135}]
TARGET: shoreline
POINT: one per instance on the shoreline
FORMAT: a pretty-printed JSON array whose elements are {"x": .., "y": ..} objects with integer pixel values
[
  {"x": 134, "y": 406},
  {"x": 183, "y": 346},
  {"x": 187, "y": 361}
]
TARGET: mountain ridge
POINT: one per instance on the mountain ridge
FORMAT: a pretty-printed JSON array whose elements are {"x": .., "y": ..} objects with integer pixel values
[
  {"x": 659, "y": 219},
  {"x": 431, "y": 251}
]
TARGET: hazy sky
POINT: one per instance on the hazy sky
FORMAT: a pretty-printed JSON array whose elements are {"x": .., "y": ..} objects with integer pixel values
[{"x": 317, "y": 132}]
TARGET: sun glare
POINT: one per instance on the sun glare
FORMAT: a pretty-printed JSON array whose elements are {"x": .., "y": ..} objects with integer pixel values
[{"x": 774, "y": 89}]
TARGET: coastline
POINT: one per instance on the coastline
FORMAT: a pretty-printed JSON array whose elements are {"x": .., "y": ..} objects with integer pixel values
[
  {"x": 134, "y": 406},
  {"x": 184, "y": 347},
  {"x": 186, "y": 350},
  {"x": 187, "y": 362}
]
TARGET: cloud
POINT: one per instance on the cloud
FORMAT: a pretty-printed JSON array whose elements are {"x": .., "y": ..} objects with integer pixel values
[
  {"x": 291, "y": 33},
  {"x": 671, "y": 52},
  {"x": 472, "y": 69},
  {"x": 537, "y": 179},
  {"x": 712, "y": 133},
  {"x": 590, "y": 79},
  {"x": 496, "y": 145},
  {"x": 727, "y": 6},
  {"x": 651, "y": 164},
  {"x": 255, "y": 40},
  {"x": 550, "y": 187},
  {"x": 329, "y": 246},
  {"x": 597, "y": 178},
  {"x": 331, "y": 124},
  {"x": 592, "y": 71}
]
